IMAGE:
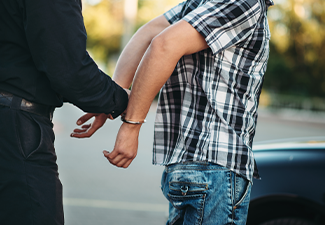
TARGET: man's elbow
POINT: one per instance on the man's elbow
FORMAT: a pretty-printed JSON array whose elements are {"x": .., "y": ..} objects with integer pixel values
[{"x": 164, "y": 46}]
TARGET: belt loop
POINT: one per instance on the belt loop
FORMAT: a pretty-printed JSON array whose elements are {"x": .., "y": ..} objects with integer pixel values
[{"x": 16, "y": 102}]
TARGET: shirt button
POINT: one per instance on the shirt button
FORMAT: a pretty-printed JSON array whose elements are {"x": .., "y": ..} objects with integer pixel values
[{"x": 113, "y": 112}]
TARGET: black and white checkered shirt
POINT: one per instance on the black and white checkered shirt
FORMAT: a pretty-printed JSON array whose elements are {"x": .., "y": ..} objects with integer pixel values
[{"x": 207, "y": 109}]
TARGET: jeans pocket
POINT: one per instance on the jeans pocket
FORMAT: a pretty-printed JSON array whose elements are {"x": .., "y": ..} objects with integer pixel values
[
  {"x": 242, "y": 190},
  {"x": 187, "y": 199},
  {"x": 29, "y": 133},
  {"x": 182, "y": 194}
]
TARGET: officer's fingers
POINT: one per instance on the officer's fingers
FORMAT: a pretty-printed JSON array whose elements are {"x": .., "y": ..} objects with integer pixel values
[
  {"x": 77, "y": 130},
  {"x": 99, "y": 121},
  {"x": 85, "y": 118},
  {"x": 82, "y": 129},
  {"x": 86, "y": 126},
  {"x": 82, "y": 133},
  {"x": 89, "y": 132},
  {"x": 79, "y": 135}
]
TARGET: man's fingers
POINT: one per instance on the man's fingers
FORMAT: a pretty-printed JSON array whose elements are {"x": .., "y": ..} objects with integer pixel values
[
  {"x": 122, "y": 163},
  {"x": 127, "y": 163},
  {"x": 110, "y": 155},
  {"x": 118, "y": 159},
  {"x": 85, "y": 118}
]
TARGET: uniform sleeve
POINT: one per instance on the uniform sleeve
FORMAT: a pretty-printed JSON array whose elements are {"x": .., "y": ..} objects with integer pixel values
[
  {"x": 57, "y": 40},
  {"x": 175, "y": 13},
  {"x": 225, "y": 24}
]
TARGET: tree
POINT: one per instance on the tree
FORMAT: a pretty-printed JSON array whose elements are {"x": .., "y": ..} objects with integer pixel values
[
  {"x": 105, "y": 25},
  {"x": 297, "y": 63}
]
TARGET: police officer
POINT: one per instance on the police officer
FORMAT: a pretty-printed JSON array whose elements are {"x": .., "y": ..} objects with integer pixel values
[{"x": 43, "y": 62}]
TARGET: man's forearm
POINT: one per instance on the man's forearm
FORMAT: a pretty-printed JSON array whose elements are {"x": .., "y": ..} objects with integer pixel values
[
  {"x": 158, "y": 64},
  {"x": 133, "y": 52},
  {"x": 155, "y": 68}
]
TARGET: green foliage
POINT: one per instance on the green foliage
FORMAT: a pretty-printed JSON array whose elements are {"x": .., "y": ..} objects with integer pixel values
[
  {"x": 296, "y": 65},
  {"x": 104, "y": 25},
  {"x": 104, "y": 22}
]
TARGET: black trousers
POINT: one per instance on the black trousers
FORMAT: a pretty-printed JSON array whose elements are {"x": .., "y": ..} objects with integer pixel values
[{"x": 30, "y": 189}]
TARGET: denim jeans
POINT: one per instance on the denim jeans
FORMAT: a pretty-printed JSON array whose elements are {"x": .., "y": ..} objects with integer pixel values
[{"x": 206, "y": 194}]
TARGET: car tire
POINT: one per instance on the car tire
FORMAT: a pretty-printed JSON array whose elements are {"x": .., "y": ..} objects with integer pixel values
[{"x": 288, "y": 221}]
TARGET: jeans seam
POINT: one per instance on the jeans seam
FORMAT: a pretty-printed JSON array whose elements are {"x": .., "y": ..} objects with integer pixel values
[
  {"x": 175, "y": 219},
  {"x": 233, "y": 195},
  {"x": 29, "y": 194},
  {"x": 244, "y": 196},
  {"x": 202, "y": 210}
]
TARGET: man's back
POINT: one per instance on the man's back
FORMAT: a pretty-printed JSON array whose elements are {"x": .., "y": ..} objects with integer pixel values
[
  {"x": 208, "y": 107},
  {"x": 19, "y": 74}
]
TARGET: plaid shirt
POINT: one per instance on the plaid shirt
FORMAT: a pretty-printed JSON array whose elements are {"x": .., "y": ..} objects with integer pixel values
[{"x": 207, "y": 109}]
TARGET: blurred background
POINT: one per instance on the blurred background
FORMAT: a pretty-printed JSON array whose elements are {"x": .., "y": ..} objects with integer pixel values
[
  {"x": 292, "y": 104},
  {"x": 295, "y": 76}
]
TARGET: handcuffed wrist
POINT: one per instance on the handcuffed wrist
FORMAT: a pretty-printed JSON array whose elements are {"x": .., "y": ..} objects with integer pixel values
[{"x": 132, "y": 121}]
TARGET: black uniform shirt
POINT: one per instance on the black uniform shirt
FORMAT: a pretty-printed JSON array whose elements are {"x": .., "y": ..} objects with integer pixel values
[{"x": 43, "y": 57}]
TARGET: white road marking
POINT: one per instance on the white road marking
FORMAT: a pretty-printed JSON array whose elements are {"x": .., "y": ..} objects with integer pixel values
[{"x": 133, "y": 206}]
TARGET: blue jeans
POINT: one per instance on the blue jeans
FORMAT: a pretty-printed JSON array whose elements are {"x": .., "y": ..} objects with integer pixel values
[{"x": 206, "y": 194}]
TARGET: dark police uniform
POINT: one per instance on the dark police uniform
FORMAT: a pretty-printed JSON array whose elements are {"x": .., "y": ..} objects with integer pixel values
[{"x": 43, "y": 62}]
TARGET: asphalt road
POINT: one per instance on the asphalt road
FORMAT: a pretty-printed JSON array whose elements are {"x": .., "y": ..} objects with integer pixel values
[{"x": 96, "y": 193}]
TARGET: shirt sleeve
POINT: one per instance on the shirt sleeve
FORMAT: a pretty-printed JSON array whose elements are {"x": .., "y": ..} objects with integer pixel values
[
  {"x": 225, "y": 24},
  {"x": 175, "y": 14},
  {"x": 57, "y": 40}
]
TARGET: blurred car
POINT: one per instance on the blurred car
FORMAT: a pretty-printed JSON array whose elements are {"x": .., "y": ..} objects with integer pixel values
[{"x": 292, "y": 186}]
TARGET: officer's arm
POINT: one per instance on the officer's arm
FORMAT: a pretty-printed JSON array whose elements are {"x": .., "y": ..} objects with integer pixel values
[
  {"x": 57, "y": 40},
  {"x": 126, "y": 67}
]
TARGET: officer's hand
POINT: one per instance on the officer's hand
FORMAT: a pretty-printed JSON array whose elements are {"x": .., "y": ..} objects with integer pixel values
[{"x": 89, "y": 129}]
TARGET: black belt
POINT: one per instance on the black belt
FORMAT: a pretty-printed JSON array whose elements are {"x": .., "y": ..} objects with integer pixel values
[{"x": 15, "y": 102}]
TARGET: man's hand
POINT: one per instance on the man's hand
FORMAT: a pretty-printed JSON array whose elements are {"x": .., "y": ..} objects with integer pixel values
[
  {"x": 89, "y": 129},
  {"x": 126, "y": 146}
]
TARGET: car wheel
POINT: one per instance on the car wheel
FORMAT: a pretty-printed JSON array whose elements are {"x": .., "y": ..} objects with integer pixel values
[{"x": 288, "y": 221}]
